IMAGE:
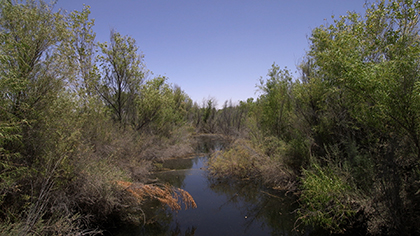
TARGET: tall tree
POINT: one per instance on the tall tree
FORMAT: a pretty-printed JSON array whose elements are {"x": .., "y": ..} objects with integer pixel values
[
  {"x": 123, "y": 72},
  {"x": 32, "y": 109},
  {"x": 154, "y": 98},
  {"x": 30, "y": 34},
  {"x": 82, "y": 43},
  {"x": 276, "y": 101}
]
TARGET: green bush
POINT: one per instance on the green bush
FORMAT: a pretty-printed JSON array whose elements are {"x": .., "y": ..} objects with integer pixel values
[{"x": 326, "y": 198}]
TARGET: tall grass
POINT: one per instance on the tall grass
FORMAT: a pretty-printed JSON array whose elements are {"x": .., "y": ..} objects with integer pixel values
[
  {"x": 328, "y": 201},
  {"x": 244, "y": 160},
  {"x": 240, "y": 161}
]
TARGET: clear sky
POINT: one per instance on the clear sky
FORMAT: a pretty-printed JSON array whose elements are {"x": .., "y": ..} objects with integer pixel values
[{"x": 215, "y": 48}]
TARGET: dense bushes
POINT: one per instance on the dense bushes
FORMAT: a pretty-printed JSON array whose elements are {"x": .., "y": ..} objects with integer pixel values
[
  {"x": 70, "y": 133},
  {"x": 348, "y": 128},
  {"x": 370, "y": 70}
]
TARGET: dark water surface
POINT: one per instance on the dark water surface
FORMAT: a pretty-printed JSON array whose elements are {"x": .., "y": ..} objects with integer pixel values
[{"x": 234, "y": 208}]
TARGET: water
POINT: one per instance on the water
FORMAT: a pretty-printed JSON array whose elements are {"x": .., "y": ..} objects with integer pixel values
[{"x": 223, "y": 208}]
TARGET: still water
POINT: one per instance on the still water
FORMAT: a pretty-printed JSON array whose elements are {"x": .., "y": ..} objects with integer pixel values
[{"x": 223, "y": 208}]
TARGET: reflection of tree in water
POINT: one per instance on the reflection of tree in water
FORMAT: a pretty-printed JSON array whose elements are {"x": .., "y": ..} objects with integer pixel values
[
  {"x": 208, "y": 143},
  {"x": 159, "y": 217},
  {"x": 173, "y": 177},
  {"x": 158, "y": 222},
  {"x": 190, "y": 231},
  {"x": 177, "y": 171},
  {"x": 162, "y": 225},
  {"x": 278, "y": 213},
  {"x": 263, "y": 206},
  {"x": 178, "y": 163}
]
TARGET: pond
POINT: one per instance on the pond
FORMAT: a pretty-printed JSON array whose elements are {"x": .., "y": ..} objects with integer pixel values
[{"x": 223, "y": 208}]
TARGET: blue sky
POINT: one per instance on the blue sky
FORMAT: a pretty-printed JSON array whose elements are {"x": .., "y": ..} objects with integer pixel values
[{"x": 215, "y": 48}]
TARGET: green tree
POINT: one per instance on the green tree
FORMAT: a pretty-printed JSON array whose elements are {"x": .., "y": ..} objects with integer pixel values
[
  {"x": 35, "y": 109},
  {"x": 208, "y": 118},
  {"x": 276, "y": 100},
  {"x": 30, "y": 34},
  {"x": 160, "y": 107},
  {"x": 232, "y": 118},
  {"x": 122, "y": 74},
  {"x": 365, "y": 81},
  {"x": 82, "y": 44}
]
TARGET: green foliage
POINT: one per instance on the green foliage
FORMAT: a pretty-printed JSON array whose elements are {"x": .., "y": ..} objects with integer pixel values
[
  {"x": 28, "y": 91},
  {"x": 276, "y": 102},
  {"x": 360, "y": 97},
  {"x": 160, "y": 107},
  {"x": 64, "y": 121},
  {"x": 372, "y": 64},
  {"x": 280, "y": 120},
  {"x": 122, "y": 75},
  {"x": 232, "y": 118},
  {"x": 325, "y": 199},
  {"x": 82, "y": 47},
  {"x": 357, "y": 103},
  {"x": 209, "y": 116},
  {"x": 10, "y": 128},
  {"x": 57, "y": 142}
]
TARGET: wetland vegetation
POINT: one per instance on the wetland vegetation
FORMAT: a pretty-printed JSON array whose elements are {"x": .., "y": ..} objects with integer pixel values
[{"x": 84, "y": 126}]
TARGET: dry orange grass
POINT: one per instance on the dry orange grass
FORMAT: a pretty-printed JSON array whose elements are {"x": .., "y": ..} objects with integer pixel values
[{"x": 166, "y": 194}]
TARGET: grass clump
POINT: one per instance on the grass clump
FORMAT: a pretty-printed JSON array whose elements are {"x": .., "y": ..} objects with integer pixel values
[
  {"x": 240, "y": 161},
  {"x": 327, "y": 200}
]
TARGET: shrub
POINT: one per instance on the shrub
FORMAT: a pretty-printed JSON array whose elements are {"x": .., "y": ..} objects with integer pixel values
[
  {"x": 326, "y": 199},
  {"x": 240, "y": 161}
]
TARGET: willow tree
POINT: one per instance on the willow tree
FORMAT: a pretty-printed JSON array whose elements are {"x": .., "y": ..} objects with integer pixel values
[
  {"x": 82, "y": 47},
  {"x": 30, "y": 34},
  {"x": 368, "y": 67},
  {"x": 35, "y": 110},
  {"x": 123, "y": 73},
  {"x": 276, "y": 102},
  {"x": 30, "y": 70}
]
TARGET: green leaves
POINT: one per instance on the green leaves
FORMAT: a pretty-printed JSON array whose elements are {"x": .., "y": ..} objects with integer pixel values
[
  {"x": 160, "y": 107},
  {"x": 372, "y": 60},
  {"x": 363, "y": 93},
  {"x": 123, "y": 73},
  {"x": 325, "y": 197},
  {"x": 82, "y": 48},
  {"x": 277, "y": 101}
]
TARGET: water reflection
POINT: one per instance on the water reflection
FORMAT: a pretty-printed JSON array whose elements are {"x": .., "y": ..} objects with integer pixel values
[
  {"x": 205, "y": 144},
  {"x": 262, "y": 207},
  {"x": 223, "y": 208}
]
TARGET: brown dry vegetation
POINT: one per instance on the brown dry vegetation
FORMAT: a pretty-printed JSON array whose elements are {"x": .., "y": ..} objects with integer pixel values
[
  {"x": 242, "y": 160},
  {"x": 166, "y": 194}
]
